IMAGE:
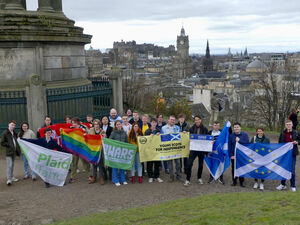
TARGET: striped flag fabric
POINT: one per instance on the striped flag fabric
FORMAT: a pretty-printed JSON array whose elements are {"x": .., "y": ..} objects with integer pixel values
[{"x": 86, "y": 146}]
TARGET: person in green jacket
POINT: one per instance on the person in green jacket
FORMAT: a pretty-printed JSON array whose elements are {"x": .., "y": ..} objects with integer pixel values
[{"x": 259, "y": 138}]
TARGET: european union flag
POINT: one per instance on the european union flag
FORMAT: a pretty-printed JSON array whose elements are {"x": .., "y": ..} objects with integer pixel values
[
  {"x": 171, "y": 137},
  {"x": 218, "y": 160},
  {"x": 264, "y": 161}
]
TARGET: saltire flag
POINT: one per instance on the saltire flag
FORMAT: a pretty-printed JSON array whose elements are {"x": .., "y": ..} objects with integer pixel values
[
  {"x": 218, "y": 160},
  {"x": 86, "y": 146},
  {"x": 201, "y": 143},
  {"x": 170, "y": 137},
  {"x": 264, "y": 161},
  {"x": 51, "y": 166}
]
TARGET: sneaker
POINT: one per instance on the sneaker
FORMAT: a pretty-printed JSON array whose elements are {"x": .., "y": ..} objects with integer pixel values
[
  {"x": 159, "y": 180},
  {"x": 117, "y": 184},
  {"x": 92, "y": 181},
  {"x": 33, "y": 177},
  {"x": 200, "y": 181},
  {"x": 78, "y": 171},
  {"x": 8, "y": 182},
  {"x": 125, "y": 183},
  {"x": 26, "y": 177},
  {"x": 281, "y": 187},
  {"x": 261, "y": 187},
  {"x": 91, "y": 178},
  {"x": 14, "y": 179},
  {"x": 293, "y": 189},
  {"x": 255, "y": 186},
  {"x": 150, "y": 180},
  {"x": 187, "y": 183},
  {"x": 242, "y": 185},
  {"x": 210, "y": 180}
]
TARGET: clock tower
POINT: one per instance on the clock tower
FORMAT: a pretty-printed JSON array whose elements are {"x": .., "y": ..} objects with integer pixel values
[{"x": 183, "y": 45}]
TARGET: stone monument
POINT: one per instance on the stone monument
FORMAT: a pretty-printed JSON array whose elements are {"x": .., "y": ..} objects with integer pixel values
[{"x": 40, "y": 50}]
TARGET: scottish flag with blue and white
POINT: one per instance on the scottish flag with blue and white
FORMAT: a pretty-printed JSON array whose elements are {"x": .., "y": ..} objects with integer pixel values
[
  {"x": 218, "y": 160},
  {"x": 264, "y": 161}
]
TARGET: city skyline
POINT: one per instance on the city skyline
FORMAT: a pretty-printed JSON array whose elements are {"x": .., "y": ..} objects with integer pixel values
[{"x": 269, "y": 26}]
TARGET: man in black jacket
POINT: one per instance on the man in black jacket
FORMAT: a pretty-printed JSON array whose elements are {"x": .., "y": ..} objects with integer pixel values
[
  {"x": 197, "y": 128},
  {"x": 9, "y": 141},
  {"x": 290, "y": 135}
]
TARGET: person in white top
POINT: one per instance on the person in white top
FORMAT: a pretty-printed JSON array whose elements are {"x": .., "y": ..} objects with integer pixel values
[
  {"x": 26, "y": 133},
  {"x": 126, "y": 125}
]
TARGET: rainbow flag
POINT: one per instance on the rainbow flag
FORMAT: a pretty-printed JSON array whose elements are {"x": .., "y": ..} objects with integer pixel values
[{"x": 86, "y": 146}]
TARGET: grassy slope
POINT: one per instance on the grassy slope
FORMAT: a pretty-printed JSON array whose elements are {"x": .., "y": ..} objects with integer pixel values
[{"x": 233, "y": 208}]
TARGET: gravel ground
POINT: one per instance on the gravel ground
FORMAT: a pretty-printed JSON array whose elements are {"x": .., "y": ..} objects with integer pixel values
[{"x": 28, "y": 202}]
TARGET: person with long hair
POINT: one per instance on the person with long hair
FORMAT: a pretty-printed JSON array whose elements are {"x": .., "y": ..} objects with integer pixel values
[
  {"x": 96, "y": 130},
  {"x": 259, "y": 138},
  {"x": 26, "y": 133},
  {"x": 118, "y": 134},
  {"x": 132, "y": 139}
]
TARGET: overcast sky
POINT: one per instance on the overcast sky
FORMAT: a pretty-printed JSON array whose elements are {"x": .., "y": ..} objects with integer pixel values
[{"x": 261, "y": 25}]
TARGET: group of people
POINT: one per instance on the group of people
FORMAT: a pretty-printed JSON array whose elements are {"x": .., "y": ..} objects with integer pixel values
[{"x": 128, "y": 128}]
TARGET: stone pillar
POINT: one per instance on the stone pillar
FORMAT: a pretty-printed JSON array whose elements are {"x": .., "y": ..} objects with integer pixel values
[
  {"x": 15, "y": 5},
  {"x": 115, "y": 77},
  {"x": 57, "y": 5},
  {"x": 36, "y": 102},
  {"x": 45, "y": 6}
]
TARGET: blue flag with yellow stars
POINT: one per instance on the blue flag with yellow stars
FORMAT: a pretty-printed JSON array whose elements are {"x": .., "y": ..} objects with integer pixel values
[{"x": 264, "y": 161}]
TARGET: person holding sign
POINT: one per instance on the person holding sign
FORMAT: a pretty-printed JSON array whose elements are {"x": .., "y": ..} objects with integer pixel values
[
  {"x": 153, "y": 176},
  {"x": 132, "y": 139},
  {"x": 169, "y": 129},
  {"x": 197, "y": 128},
  {"x": 119, "y": 135}
]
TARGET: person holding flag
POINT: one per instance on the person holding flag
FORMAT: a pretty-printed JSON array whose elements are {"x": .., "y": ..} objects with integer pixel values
[
  {"x": 46, "y": 142},
  {"x": 290, "y": 135},
  {"x": 241, "y": 137},
  {"x": 216, "y": 160},
  {"x": 259, "y": 138},
  {"x": 197, "y": 128}
]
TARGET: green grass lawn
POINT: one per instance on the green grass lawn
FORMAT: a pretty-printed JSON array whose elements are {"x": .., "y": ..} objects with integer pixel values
[{"x": 233, "y": 208}]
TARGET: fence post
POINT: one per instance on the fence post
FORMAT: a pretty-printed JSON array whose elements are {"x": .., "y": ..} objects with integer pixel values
[
  {"x": 36, "y": 102},
  {"x": 115, "y": 77}
]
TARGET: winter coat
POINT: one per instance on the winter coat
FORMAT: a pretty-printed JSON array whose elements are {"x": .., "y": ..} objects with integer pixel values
[
  {"x": 119, "y": 135},
  {"x": 203, "y": 129},
  {"x": 295, "y": 137},
  {"x": 7, "y": 142},
  {"x": 52, "y": 144},
  {"x": 256, "y": 139},
  {"x": 184, "y": 127},
  {"x": 244, "y": 139}
]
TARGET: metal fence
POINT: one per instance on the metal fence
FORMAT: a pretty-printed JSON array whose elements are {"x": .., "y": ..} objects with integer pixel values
[
  {"x": 95, "y": 99},
  {"x": 12, "y": 107},
  {"x": 92, "y": 99}
]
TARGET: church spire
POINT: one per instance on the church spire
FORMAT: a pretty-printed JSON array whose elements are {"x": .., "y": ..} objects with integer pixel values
[
  {"x": 246, "y": 52},
  {"x": 182, "y": 32},
  {"x": 207, "y": 50}
]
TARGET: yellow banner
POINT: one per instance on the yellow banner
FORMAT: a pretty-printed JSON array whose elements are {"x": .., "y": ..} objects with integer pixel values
[{"x": 164, "y": 147}]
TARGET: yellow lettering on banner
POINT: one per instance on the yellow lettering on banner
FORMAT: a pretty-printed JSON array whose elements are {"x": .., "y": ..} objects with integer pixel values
[{"x": 151, "y": 148}]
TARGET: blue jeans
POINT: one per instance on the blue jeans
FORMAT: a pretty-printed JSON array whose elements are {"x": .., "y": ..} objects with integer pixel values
[
  {"x": 115, "y": 176},
  {"x": 26, "y": 167},
  {"x": 137, "y": 164},
  {"x": 293, "y": 179}
]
